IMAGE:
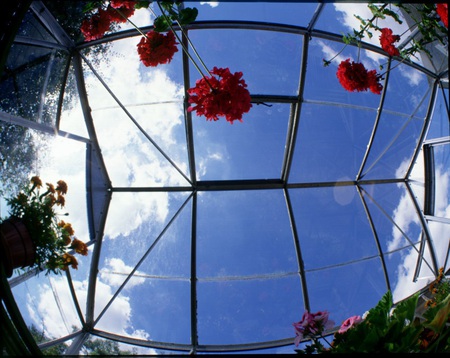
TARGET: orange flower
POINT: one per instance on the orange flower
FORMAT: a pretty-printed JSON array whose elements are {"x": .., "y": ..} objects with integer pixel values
[
  {"x": 36, "y": 181},
  {"x": 50, "y": 188},
  {"x": 80, "y": 247},
  {"x": 69, "y": 259},
  {"x": 62, "y": 187},
  {"x": 67, "y": 227},
  {"x": 60, "y": 201}
]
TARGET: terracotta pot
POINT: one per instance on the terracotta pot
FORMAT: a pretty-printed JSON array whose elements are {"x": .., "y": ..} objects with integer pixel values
[{"x": 17, "y": 248}]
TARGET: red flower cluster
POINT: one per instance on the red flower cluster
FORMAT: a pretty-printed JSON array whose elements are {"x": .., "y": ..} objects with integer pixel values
[
  {"x": 123, "y": 4},
  {"x": 353, "y": 76},
  {"x": 442, "y": 11},
  {"x": 387, "y": 42},
  {"x": 156, "y": 48},
  {"x": 226, "y": 96},
  {"x": 95, "y": 27}
]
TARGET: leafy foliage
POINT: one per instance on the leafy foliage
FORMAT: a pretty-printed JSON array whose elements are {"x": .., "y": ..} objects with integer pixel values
[
  {"x": 52, "y": 238},
  {"x": 183, "y": 16},
  {"x": 396, "y": 329}
]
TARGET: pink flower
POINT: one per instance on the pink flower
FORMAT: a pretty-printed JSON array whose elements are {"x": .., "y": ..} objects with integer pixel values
[
  {"x": 311, "y": 324},
  {"x": 225, "y": 96},
  {"x": 349, "y": 323}
]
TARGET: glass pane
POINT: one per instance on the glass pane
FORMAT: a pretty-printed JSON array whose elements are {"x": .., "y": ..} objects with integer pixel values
[
  {"x": 331, "y": 143},
  {"x": 249, "y": 150},
  {"x": 261, "y": 244}
]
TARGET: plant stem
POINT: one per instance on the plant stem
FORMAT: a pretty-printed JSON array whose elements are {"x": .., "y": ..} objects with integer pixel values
[{"x": 182, "y": 45}]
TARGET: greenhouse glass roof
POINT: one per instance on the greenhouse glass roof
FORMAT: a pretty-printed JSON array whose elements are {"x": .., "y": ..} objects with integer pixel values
[{"x": 211, "y": 236}]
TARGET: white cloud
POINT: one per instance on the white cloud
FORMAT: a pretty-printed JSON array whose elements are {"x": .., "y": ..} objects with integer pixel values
[
  {"x": 414, "y": 77},
  {"x": 117, "y": 318},
  {"x": 116, "y": 271},
  {"x": 204, "y": 162},
  {"x": 405, "y": 215},
  {"x": 210, "y": 3},
  {"x": 330, "y": 53},
  {"x": 442, "y": 205}
]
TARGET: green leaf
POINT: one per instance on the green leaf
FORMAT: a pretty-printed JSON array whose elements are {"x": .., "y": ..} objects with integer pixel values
[
  {"x": 392, "y": 14},
  {"x": 405, "y": 310},
  {"x": 91, "y": 5},
  {"x": 160, "y": 24},
  {"x": 142, "y": 4},
  {"x": 347, "y": 39},
  {"x": 188, "y": 15}
]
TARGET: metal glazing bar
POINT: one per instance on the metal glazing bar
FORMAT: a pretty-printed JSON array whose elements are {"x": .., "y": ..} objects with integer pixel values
[
  {"x": 194, "y": 321},
  {"x": 360, "y": 174},
  {"x": 419, "y": 257},
  {"x": 425, "y": 126},
  {"x": 437, "y": 219},
  {"x": 22, "y": 40},
  {"x": 426, "y": 231},
  {"x": 395, "y": 224},
  {"x": 375, "y": 236},
  {"x": 298, "y": 251},
  {"x": 294, "y": 117},
  {"x": 51, "y": 24},
  {"x": 135, "y": 122},
  {"x": 188, "y": 115},
  {"x": 41, "y": 127},
  {"x": 200, "y": 348},
  {"x": 90, "y": 301},
  {"x": 74, "y": 297},
  {"x": 252, "y": 25},
  {"x": 141, "y": 260}
]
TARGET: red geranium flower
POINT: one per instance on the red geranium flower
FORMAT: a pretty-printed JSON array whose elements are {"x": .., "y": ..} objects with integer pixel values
[
  {"x": 442, "y": 11},
  {"x": 387, "y": 42},
  {"x": 128, "y": 4},
  {"x": 125, "y": 7},
  {"x": 157, "y": 48},
  {"x": 225, "y": 95},
  {"x": 95, "y": 27},
  {"x": 353, "y": 76}
]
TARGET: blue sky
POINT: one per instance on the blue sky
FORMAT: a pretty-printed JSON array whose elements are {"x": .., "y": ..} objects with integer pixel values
[{"x": 248, "y": 287}]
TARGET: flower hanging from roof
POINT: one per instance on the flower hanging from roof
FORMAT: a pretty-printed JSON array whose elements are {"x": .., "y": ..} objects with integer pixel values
[
  {"x": 156, "y": 48},
  {"x": 95, "y": 27},
  {"x": 442, "y": 11},
  {"x": 225, "y": 95},
  {"x": 103, "y": 19},
  {"x": 52, "y": 238},
  {"x": 387, "y": 40},
  {"x": 354, "y": 77}
]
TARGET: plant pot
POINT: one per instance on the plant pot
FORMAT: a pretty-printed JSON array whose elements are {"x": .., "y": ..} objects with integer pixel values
[{"x": 17, "y": 247}]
